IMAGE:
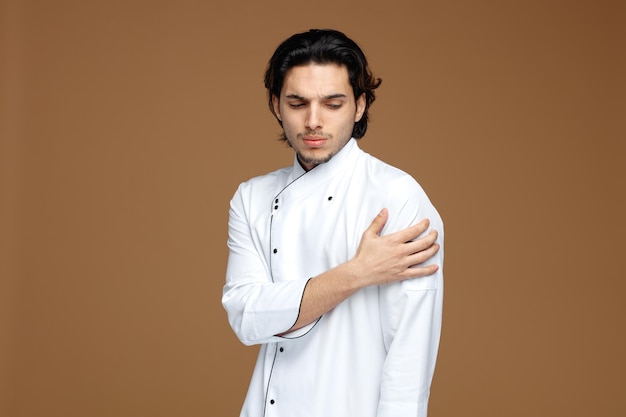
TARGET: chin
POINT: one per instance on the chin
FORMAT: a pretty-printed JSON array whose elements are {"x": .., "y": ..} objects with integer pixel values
[{"x": 314, "y": 159}]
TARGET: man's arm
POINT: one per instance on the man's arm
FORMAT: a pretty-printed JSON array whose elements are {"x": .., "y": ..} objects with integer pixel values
[
  {"x": 411, "y": 318},
  {"x": 261, "y": 310},
  {"x": 379, "y": 260}
]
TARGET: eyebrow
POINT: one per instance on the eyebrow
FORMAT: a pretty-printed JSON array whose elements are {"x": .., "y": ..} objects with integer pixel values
[{"x": 328, "y": 97}]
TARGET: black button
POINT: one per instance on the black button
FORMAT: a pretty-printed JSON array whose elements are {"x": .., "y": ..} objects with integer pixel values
[
  {"x": 281, "y": 349},
  {"x": 272, "y": 401},
  {"x": 275, "y": 207},
  {"x": 276, "y": 201},
  {"x": 330, "y": 198},
  {"x": 275, "y": 250}
]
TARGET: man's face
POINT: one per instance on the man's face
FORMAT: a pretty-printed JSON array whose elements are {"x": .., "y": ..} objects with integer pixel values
[{"x": 318, "y": 111}]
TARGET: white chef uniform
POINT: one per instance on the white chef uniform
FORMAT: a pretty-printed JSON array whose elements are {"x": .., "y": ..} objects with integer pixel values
[{"x": 372, "y": 355}]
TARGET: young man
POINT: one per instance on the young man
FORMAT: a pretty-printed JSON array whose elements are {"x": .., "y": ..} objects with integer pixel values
[{"x": 347, "y": 309}]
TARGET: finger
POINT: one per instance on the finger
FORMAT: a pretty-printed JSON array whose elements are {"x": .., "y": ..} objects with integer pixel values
[
  {"x": 422, "y": 256},
  {"x": 411, "y": 232},
  {"x": 378, "y": 223},
  {"x": 420, "y": 271},
  {"x": 421, "y": 243}
]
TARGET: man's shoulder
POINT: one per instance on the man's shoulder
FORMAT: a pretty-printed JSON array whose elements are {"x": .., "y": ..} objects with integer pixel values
[
  {"x": 386, "y": 174},
  {"x": 266, "y": 181},
  {"x": 399, "y": 188}
]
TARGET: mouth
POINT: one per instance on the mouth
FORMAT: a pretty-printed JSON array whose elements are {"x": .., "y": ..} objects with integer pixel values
[{"x": 314, "y": 141}]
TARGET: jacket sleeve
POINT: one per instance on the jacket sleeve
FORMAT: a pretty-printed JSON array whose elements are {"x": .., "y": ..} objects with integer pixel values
[
  {"x": 411, "y": 315},
  {"x": 257, "y": 308}
]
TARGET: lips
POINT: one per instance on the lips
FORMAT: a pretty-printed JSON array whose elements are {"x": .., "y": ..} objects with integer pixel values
[{"x": 314, "y": 141}]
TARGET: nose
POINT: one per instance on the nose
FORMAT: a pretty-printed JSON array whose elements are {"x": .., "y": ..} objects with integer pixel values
[{"x": 313, "y": 118}]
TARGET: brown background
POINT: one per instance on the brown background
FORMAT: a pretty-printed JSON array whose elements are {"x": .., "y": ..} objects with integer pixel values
[{"x": 127, "y": 125}]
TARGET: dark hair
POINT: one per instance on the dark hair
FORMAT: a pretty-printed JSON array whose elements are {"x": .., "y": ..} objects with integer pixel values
[{"x": 323, "y": 46}]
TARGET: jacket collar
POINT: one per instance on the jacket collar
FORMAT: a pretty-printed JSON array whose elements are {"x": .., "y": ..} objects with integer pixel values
[
  {"x": 330, "y": 168},
  {"x": 301, "y": 181}
]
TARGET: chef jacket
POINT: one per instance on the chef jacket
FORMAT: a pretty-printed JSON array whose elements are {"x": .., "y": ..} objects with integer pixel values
[{"x": 373, "y": 354}]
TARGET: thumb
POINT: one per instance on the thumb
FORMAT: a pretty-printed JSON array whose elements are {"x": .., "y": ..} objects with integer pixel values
[{"x": 378, "y": 223}]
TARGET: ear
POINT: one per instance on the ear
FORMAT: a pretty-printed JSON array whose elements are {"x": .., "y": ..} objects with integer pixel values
[
  {"x": 276, "y": 106},
  {"x": 360, "y": 108}
]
